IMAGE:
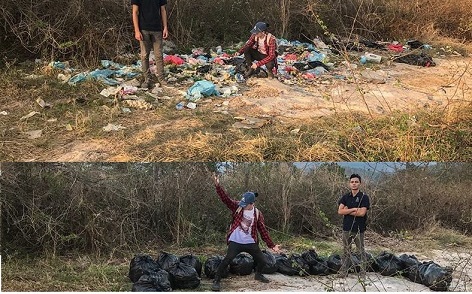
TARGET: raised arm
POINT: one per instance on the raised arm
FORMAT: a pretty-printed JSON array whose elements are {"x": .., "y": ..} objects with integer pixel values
[{"x": 230, "y": 203}]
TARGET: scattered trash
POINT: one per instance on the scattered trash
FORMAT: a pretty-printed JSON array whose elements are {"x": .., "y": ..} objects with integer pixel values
[
  {"x": 32, "y": 113},
  {"x": 370, "y": 57},
  {"x": 249, "y": 123},
  {"x": 139, "y": 104},
  {"x": 421, "y": 59},
  {"x": 125, "y": 110},
  {"x": 110, "y": 91},
  {"x": 111, "y": 127},
  {"x": 295, "y": 131},
  {"x": 180, "y": 105},
  {"x": 3, "y": 112},
  {"x": 42, "y": 103},
  {"x": 191, "y": 105},
  {"x": 201, "y": 89},
  {"x": 69, "y": 127},
  {"x": 52, "y": 120},
  {"x": 33, "y": 77},
  {"x": 34, "y": 134}
]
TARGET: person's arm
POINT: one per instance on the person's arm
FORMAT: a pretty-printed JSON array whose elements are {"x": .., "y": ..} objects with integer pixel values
[
  {"x": 344, "y": 210},
  {"x": 230, "y": 203},
  {"x": 249, "y": 43},
  {"x": 165, "y": 30},
  {"x": 270, "y": 54},
  {"x": 265, "y": 234},
  {"x": 361, "y": 211},
  {"x": 137, "y": 31}
]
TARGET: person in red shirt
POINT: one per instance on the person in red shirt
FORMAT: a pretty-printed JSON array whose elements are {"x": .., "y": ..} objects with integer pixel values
[
  {"x": 259, "y": 50},
  {"x": 242, "y": 235}
]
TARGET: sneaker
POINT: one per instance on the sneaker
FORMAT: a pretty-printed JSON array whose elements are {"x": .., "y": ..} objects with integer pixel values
[
  {"x": 216, "y": 286},
  {"x": 260, "y": 277},
  {"x": 146, "y": 84}
]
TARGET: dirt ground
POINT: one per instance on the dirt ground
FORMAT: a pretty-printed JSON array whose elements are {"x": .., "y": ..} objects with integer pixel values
[
  {"x": 377, "y": 90},
  {"x": 374, "y": 282}
]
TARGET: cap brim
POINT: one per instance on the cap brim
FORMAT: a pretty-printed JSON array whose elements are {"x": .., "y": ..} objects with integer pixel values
[
  {"x": 242, "y": 204},
  {"x": 253, "y": 31}
]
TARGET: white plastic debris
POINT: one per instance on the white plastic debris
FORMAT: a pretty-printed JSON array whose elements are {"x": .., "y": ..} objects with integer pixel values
[
  {"x": 111, "y": 127},
  {"x": 42, "y": 103},
  {"x": 32, "y": 113},
  {"x": 191, "y": 105},
  {"x": 34, "y": 134},
  {"x": 3, "y": 112}
]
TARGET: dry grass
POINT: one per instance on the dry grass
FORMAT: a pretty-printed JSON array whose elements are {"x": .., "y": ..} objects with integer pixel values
[{"x": 164, "y": 134}]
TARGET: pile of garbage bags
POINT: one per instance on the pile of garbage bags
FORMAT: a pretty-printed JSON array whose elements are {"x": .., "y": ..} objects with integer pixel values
[{"x": 172, "y": 272}]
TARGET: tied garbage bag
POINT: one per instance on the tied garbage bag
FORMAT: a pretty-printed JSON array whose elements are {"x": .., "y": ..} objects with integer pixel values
[
  {"x": 319, "y": 267},
  {"x": 211, "y": 266},
  {"x": 409, "y": 263},
  {"x": 241, "y": 265},
  {"x": 184, "y": 276},
  {"x": 193, "y": 261},
  {"x": 284, "y": 265},
  {"x": 201, "y": 89},
  {"x": 154, "y": 282},
  {"x": 334, "y": 263},
  {"x": 310, "y": 257},
  {"x": 431, "y": 275},
  {"x": 141, "y": 265},
  {"x": 300, "y": 264},
  {"x": 387, "y": 264},
  {"x": 167, "y": 261},
  {"x": 271, "y": 264}
]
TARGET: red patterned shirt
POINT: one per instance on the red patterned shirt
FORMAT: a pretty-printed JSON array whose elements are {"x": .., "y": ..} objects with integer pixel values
[
  {"x": 238, "y": 216},
  {"x": 270, "y": 48}
]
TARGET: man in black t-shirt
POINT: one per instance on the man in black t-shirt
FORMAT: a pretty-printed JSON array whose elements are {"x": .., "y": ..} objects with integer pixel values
[
  {"x": 353, "y": 206},
  {"x": 150, "y": 28}
]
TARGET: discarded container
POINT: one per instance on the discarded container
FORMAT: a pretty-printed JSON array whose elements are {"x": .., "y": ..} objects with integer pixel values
[
  {"x": 370, "y": 57},
  {"x": 180, "y": 106}
]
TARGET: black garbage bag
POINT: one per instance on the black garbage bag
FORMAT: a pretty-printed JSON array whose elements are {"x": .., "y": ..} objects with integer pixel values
[
  {"x": 184, "y": 276},
  {"x": 211, "y": 266},
  {"x": 414, "y": 44},
  {"x": 409, "y": 263},
  {"x": 242, "y": 264},
  {"x": 166, "y": 260},
  {"x": 310, "y": 257},
  {"x": 271, "y": 264},
  {"x": 300, "y": 264},
  {"x": 432, "y": 275},
  {"x": 421, "y": 59},
  {"x": 387, "y": 264},
  {"x": 141, "y": 265},
  {"x": 153, "y": 282},
  {"x": 203, "y": 69},
  {"x": 284, "y": 265},
  {"x": 319, "y": 267},
  {"x": 193, "y": 261},
  {"x": 334, "y": 263}
]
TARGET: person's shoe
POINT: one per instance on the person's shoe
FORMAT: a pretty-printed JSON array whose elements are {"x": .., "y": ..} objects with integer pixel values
[
  {"x": 260, "y": 277},
  {"x": 248, "y": 73},
  {"x": 216, "y": 285},
  {"x": 146, "y": 84}
]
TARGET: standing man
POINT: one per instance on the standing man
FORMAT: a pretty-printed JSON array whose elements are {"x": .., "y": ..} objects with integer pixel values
[
  {"x": 150, "y": 28},
  {"x": 261, "y": 47},
  {"x": 353, "y": 206},
  {"x": 242, "y": 235}
]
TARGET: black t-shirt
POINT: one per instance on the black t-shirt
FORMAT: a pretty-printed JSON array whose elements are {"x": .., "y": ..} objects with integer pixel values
[
  {"x": 350, "y": 222},
  {"x": 150, "y": 18}
]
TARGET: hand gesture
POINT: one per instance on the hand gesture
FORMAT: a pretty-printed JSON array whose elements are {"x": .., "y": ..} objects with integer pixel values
[
  {"x": 276, "y": 248},
  {"x": 216, "y": 179}
]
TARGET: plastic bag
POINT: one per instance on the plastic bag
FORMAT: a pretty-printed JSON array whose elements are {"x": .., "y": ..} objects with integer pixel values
[
  {"x": 184, "y": 276},
  {"x": 167, "y": 261},
  {"x": 142, "y": 265},
  {"x": 271, "y": 264},
  {"x": 211, "y": 266},
  {"x": 201, "y": 89},
  {"x": 242, "y": 264},
  {"x": 154, "y": 282},
  {"x": 193, "y": 261},
  {"x": 387, "y": 264}
]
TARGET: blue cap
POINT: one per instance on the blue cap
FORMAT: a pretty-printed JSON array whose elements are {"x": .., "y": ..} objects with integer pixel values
[
  {"x": 248, "y": 198},
  {"x": 259, "y": 27}
]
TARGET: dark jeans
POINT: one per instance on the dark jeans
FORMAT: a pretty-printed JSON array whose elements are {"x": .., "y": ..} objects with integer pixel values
[
  {"x": 236, "y": 248},
  {"x": 348, "y": 238},
  {"x": 251, "y": 54}
]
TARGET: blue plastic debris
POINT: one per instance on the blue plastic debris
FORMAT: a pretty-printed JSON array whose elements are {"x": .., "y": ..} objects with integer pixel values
[{"x": 201, "y": 89}]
